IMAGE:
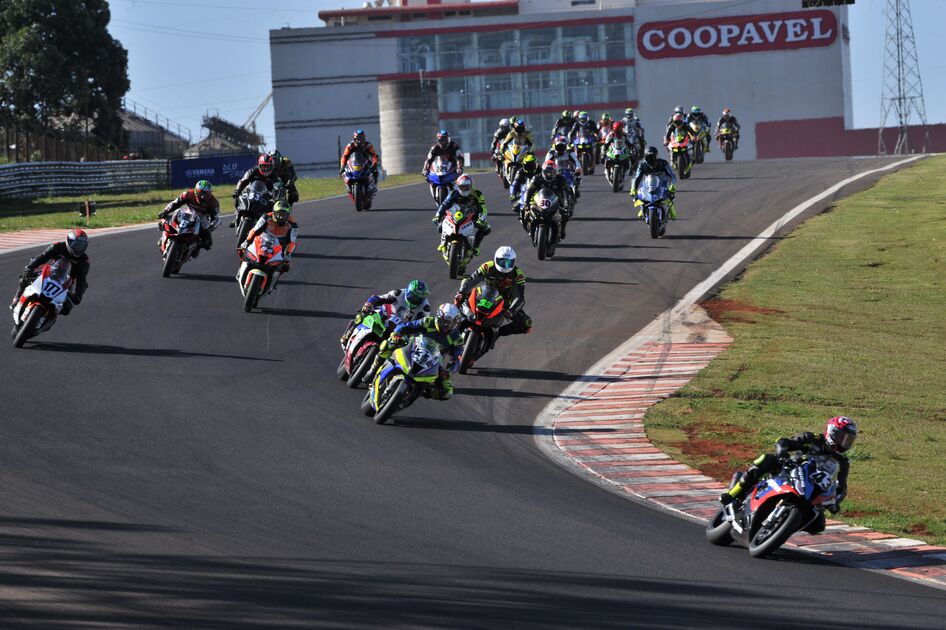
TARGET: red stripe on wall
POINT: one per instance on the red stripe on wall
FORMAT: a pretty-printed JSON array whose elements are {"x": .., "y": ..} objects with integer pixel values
[
  {"x": 545, "y": 67},
  {"x": 827, "y": 137},
  {"x": 425, "y": 9},
  {"x": 506, "y": 26},
  {"x": 500, "y": 113}
]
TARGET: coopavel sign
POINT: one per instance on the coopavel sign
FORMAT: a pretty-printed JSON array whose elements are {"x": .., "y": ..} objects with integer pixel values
[{"x": 738, "y": 34}]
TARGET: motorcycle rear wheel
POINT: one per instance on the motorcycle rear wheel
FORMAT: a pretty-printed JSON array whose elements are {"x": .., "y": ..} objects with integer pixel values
[
  {"x": 789, "y": 525},
  {"x": 358, "y": 372},
  {"x": 391, "y": 404},
  {"x": 341, "y": 371},
  {"x": 170, "y": 259},
  {"x": 719, "y": 530},
  {"x": 366, "y": 407},
  {"x": 252, "y": 293},
  {"x": 29, "y": 327}
]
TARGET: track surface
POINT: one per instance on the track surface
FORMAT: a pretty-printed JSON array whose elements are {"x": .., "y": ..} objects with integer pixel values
[{"x": 168, "y": 459}]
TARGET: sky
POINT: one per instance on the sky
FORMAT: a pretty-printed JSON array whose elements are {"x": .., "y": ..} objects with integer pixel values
[{"x": 188, "y": 58}]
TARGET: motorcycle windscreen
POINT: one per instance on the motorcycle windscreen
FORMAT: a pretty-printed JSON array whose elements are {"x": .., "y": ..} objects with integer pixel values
[{"x": 652, "y": 188}]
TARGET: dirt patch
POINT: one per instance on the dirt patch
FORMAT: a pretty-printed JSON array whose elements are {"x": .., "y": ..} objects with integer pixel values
[
  {"x": 726, "y": 456},
  {"x": 727, "y": 310},
  {"x": 919, "y": 529}
]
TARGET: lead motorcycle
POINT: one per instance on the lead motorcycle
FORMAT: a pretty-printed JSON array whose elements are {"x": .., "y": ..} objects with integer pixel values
[
  {"x": 263, "y": 261},
  {"x": 681, "y": 152},
  {"x": 617, "y": 163},
  {"x": 698, "y": 138},
  {"x": 792, "y": 500},
  {"x": 484, "y": 312},
  {"x": 408, "y": 373},
  {"x": 365, "y": 342},
  {"x": 441, "y": 178},
  {"x": 42, "y": 300},
  {"x": 458, "y": 231},
  {"x": 359, "y": 180},
  {"x": 653, "y": 198},
  {"x": 726, "y": 140},
  {"x": 543, "y": 221},
  {"x": 180, "y": 238},
  {"x": 253, "y": 202}
]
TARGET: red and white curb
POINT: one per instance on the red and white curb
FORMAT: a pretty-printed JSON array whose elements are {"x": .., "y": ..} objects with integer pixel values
[
  {"x": 595, "y": 428},
  {"x": 27, "y": 239}
]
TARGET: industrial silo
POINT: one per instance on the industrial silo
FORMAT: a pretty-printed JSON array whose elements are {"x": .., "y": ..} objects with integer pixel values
[{"x": 408, "y": 118}]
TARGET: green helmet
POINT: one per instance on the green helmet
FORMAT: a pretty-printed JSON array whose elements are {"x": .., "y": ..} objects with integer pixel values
[
  {"x": 416, "y": 292},
  {"x": 565, "y": 114},
  {"x": 695, "y": 109},
  {"x": 203, "y": 189},
  {"x": 281, "y": 212},
  {"x": 629, "y": 111},
  {"x": 529, "y": 163}
]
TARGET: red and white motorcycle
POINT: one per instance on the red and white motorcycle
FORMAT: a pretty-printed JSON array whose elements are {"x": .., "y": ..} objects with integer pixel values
[
  {"x": 38, "y": 307},
  {"x": 180, "y": 238},
  {"x": 263, "y": 262}
]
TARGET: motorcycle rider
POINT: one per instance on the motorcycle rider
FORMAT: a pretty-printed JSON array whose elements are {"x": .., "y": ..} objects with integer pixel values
[
  {"x": 728, "y": 118},
  {"x": 518, "y": 133},
  {"x": 359, "y": 144},
  {"x": 654, "y": 165},
  {"x": 616, "y": 135},
  {"x": 676, "y": 110},
  {"x": 839, "y": 435},
  {"x": 446, "y": 329},
  {"x": 201, "y": 199},
  {"x": 281, "y": 224},
  {"x": 565, "y": 157},
  {"x": 468, "y": 197},
  {"x": 677, "y": 122},
  {"x": 502, "y": 274},
  {"x": 604, "y": 128},
  {"x": 286, "y": 172},
  {"x": 566, "y": 121},
  {"x": 530, "y": 167},
  {"x": 501, "y": 132},
  {"x": 698, "y": 115},
  {"x": 584, "y": 123},
  {"x": 447, "y": 148},
  {"x": 264, "y": 171},
  {"x": 72, "y": 249},
  {"x": 409, "y": 303},
  {"x": 631, "y": 120},
  {"x": 549, "y": 177}
]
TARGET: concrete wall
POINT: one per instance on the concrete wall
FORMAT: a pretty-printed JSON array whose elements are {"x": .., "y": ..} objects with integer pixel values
[
  {"x": 805, "y": 83},
  {"x": 323, "y": 89}
]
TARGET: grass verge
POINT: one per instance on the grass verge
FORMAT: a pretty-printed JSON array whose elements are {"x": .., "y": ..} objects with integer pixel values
[
  {"x": 115, "y": 209},
  {"x": 844, "y": 316}
]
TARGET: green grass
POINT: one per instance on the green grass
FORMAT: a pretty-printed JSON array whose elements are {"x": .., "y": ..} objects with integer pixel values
[
  {"x": 113, "y": 209},
  {"x": 845, "y": 316}
]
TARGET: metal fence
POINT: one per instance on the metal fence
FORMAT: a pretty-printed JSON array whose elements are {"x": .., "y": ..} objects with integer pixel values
[{"x": 29, "y": 180}]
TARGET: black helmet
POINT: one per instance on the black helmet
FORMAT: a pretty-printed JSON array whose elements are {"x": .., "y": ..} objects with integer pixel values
[{"x": 650, "y": 155}]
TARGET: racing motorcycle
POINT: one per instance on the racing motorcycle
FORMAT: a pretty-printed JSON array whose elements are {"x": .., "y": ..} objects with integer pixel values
[
  {"x": 458, "y": 231},
  {"x": 652, "y": 198},
  {"x": 254, "y": 201},
  {"x": 513, "y": 156},
  {"x": 543, "y": 221},
  {"x": 484, "y": 312},
  {"x": 407, "y": 374},
  {"x": 180, "y": 238},
  {"x": 364, "y": 343},
  {"x": 359, "y": 180},
  {"x": 697, "y": 134},
  {"x": 680, "y": 152},
  {"x": 39, "y": 305},
  {"x": 792, "y": 500},
  {"x": 633, "y": 138},
  {"x": 585, "y": 148},
  {"x": 600, "y": 137},
  {"x": 726, "y": 141},
  {"x": 617, "y": 163},
  {"x": 441, "y": 177},
  {"x": 263, "y": 263}
]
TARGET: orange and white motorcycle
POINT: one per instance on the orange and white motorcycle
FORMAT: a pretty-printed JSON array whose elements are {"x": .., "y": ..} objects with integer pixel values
[
  {"x": 42, "y": 300},
  {"x": 264, "y": 260}
]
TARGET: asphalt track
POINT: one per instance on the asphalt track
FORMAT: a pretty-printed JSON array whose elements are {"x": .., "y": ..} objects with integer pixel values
[{"x": 168, "y": 459}]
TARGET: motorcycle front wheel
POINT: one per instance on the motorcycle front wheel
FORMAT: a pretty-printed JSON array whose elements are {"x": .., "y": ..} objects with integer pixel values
[
  {"x": 767, "y": 540},
  {"x": 172, "y": 253},
  {"x": 359, "y": 197},
  {"x": 29, "y": 327},
  {"x": 728, "y": 150},
  {"x": 543, "y": 241},
  {"x": 252, "y": 293},
  {"x": 243, "y": 229},
  {"x": 719, "y": 530},
  {"x": 455, "y": 256},
  {"x": 391, "y": 404},
  {"x": 654, "y": 220}
]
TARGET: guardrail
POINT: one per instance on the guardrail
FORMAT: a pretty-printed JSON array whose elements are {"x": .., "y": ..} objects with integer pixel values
[{"x": 29, "y": 180}]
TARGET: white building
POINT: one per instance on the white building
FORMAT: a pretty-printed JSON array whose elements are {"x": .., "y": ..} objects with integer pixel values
[{"x": 769, "y": 60}]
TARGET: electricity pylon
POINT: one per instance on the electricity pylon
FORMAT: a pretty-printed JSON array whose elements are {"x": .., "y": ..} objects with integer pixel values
[{"x": 902, "y": 87}]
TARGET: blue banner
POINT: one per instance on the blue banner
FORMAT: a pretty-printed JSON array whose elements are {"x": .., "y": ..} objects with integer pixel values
[{"x": 218, "y": 169}]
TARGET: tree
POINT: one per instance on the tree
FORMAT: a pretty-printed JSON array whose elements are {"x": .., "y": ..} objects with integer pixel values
[{"x": 60, "y": 67}]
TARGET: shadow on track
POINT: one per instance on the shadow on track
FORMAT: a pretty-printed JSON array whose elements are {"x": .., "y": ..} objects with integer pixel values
[
  {"x": 298, "y": 312},
  {"x": 600, "y": 246},
  {"x": 538, "y": 375},
  {"x": 215, "y": 278},
  {"x": 606, "y": 259},
  {"x": 13, "y": 521},
  {"x": 486, "y": 427},
  {"x": 92, "y": 348},
  {"x": 575, "y": 281},
  {"x": 329, "y": 237},
  {"x": 363, "y": 258},
  {"x": 714, "y": 237}
]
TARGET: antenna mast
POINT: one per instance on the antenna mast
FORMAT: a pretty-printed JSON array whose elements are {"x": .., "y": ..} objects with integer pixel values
[{"x": 902, "y": 88}]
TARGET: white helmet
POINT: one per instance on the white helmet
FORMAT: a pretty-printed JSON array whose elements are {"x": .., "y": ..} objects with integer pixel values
[
  {"x": 465, "y": 185},
  {"x": 504, "y": 123},
  {"x": 448, "y": 316},
  {"x": 505, "y": 259}
]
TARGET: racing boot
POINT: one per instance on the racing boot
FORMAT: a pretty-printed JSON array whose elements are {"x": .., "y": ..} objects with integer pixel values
[{"x": 673, "y": 211}]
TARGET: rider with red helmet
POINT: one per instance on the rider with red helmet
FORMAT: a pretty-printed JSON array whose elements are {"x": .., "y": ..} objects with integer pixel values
[
  {"x": 71, "y": 249},
  {"x": 359, "y": 144},
  {"x": 201, "y": 199},
  {"x": 264, "y": 171},
  {"x": 839, "y": 435},
  {"x": 447, "y": 148}
]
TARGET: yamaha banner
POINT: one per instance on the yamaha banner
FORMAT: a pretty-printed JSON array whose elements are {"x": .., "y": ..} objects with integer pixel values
[{"x": 217, "y": 169}]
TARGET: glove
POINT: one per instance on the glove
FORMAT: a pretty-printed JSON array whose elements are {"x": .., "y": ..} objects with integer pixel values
[
  {"x": 672, "y": 189},
  {"x": 458, "y": 299},
  {"x": 236, "y": 193},
  {"x": 395, "y": 339},
  {"x": 633, "y": 192},
  {"x": 366, "y": 308},
  {"x": 436, "y": 220},
  {"x": 284, "y": 267}
]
